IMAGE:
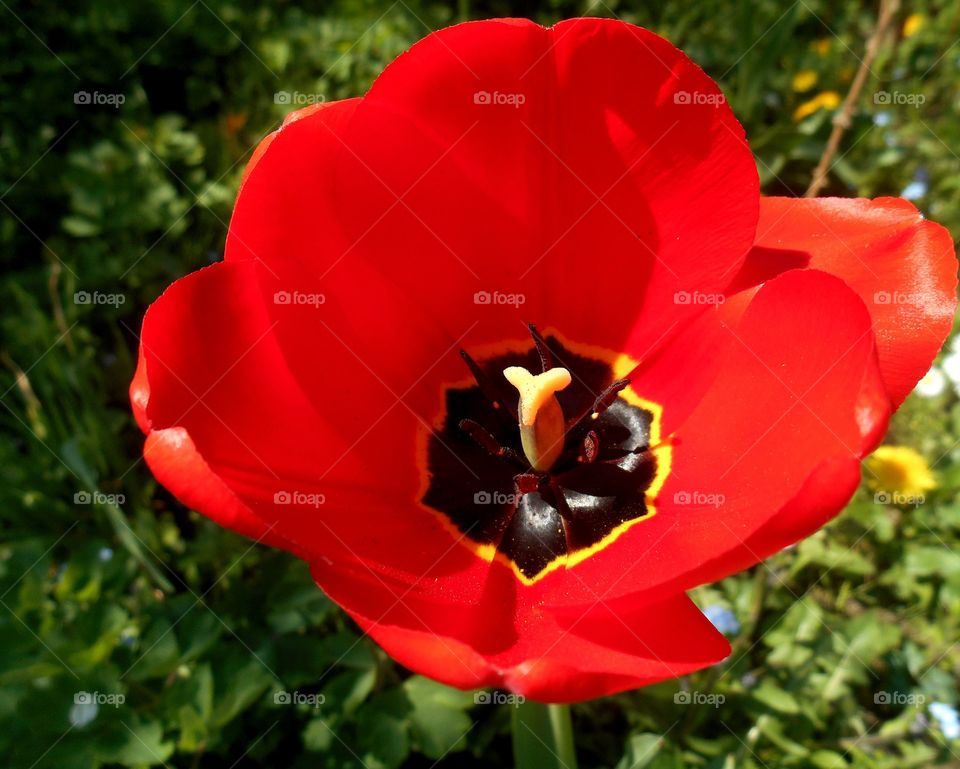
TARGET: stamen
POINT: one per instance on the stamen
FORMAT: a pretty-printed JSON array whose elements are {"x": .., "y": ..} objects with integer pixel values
[
  {"x": 485, "y": 440},
  {"x": 486, "y": 386},
  {"x": 603, "y": 401},
  {"x": 590, "y": 448},
  {"x": 542, "y": 426},
  {"x": 546, "y": 358}
]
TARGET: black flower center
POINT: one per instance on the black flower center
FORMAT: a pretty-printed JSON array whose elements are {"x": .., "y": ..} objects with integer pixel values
[{"x": 482, "y": 484}]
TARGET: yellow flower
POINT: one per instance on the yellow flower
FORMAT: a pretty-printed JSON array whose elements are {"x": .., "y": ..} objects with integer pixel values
[
  {"x": 900, "y": 471},
  {"x": 912, "y": 24},
  {"x": 804, "y": 80},
  {"x": 824, "y": 100},
  {"x": 821, "y": 47}
]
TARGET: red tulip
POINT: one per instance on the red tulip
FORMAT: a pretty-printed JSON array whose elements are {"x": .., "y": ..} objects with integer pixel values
[{"x": 729, "y": 358}]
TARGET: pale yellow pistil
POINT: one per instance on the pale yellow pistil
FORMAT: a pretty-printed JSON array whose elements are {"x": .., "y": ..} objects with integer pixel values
[{"x": 542, "y": 425}]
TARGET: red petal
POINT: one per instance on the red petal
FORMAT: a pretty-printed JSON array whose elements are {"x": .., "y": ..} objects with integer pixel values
[
  {"x": 677, "y": 370},
  {"x": 230, "y": 429},
  {"x": 903, "y": 266},
  {"x": 291, "y": 117},
  {"x": 386, "y": 346},
  {"x": 446, "y": 197},
  {"x": 799, "y": 387},
  {"x": 177, "y": 464},
  {"x": 826, "y": 490},
  {"x": 564, "y": 655}
]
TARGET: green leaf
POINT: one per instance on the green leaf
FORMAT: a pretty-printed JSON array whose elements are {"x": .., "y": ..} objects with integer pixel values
[
  {"x": 135, "y": 743},
  {"x": 641, "y": 750},
  {"x": 347, "y": 690},
  {"x": 80, "y": 227},
  {"x": 438, "y": 721},
  {"x": 828, "y": 759},
  {"x": 160, "y": 652},
  {"x": 243, "y": 685},
  {"x": 771, "y": 695},
  {"x": 383, "y": 731},
  {"x": 317, "y": 735}
]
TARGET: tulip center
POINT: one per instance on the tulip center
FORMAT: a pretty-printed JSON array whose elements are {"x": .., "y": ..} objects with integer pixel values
[{"x": 542, "y": 470}]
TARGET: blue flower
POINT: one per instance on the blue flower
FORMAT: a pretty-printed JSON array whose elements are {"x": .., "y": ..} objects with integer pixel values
[
  {"x": 882, "y": 119},
  {"x": 723, "y": 619},
  {"x": 947, "y": 719},
  {"x": 914, "y": 191},
  {"x": 105, "y": 554}
]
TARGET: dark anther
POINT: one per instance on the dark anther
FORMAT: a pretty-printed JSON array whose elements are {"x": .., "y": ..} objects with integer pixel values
[
  {"x": 609, "y": 395},
  {"x": 602, "y": 403},
  {"x": 560, "y": 502},
  {"x": 590, "y": 448},
  {"x": 546, "y": 359},
  {"x": 485, "y": 440},
  {"x": 486, "y": 386}
]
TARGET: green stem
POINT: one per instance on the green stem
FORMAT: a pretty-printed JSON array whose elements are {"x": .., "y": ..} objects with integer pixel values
[{"x": 543, "y": 737}]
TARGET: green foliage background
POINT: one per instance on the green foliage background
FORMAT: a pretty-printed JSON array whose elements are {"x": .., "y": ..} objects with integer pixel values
[{"x": 196, "y": 628}]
